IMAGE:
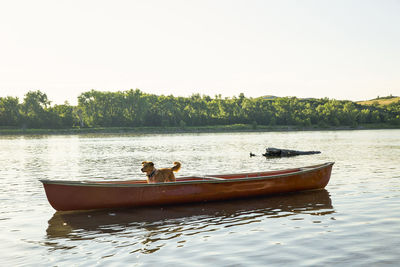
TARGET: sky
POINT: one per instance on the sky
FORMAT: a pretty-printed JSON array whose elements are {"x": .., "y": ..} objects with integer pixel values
[{"x": 342, "y": 49}]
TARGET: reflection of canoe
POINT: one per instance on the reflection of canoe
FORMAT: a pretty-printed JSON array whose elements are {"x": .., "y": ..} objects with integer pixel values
[
  {"x": 76, "y": 225},
  {"x": 84, "y": 195}
]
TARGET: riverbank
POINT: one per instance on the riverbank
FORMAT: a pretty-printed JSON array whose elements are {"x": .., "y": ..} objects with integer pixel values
[{"x": 188, "y": 129}]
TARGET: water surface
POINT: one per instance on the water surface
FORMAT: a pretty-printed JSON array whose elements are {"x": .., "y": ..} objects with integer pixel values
[{"x": 354, "y": 221}]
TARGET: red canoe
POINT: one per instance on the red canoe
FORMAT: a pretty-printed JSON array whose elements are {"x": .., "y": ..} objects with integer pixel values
[{"x": 85, "y": 195}]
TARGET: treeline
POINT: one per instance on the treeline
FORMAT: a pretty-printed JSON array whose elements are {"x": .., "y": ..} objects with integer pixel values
[{"x": 134, "y": 108}]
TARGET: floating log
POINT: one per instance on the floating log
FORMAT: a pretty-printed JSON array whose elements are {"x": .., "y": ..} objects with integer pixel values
[{"x": 278, "y": 152}]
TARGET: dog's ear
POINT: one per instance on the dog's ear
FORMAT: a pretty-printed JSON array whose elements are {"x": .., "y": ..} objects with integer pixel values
[{"x": 150, "y": 163}]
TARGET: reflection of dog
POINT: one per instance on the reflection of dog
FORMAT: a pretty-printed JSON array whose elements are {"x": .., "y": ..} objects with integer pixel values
[{"x": 159, "y": 175}]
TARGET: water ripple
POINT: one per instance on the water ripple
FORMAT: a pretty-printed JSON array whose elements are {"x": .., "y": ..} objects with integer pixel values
[{"x": 356, "y": 221}]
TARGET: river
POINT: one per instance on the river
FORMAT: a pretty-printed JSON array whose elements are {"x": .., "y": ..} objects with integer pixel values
[{"x": 354, "y": 221}]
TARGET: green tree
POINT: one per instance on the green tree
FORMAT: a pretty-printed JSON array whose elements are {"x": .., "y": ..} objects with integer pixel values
[
  {"x": 34, "y": 110},
  {"x": 9, "y": 111},
  {"x": 61, "y": 116}
]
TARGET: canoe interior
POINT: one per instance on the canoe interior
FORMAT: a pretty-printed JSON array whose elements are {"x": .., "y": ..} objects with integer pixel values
[{"x": 212, "y": 177}]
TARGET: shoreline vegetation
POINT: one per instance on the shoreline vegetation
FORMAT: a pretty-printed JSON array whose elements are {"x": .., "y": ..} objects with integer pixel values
[
  {"x": 190, "y": 129},
  {"x": 134, "y": 111}
]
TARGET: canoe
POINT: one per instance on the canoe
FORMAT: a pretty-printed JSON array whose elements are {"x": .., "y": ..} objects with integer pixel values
[{"x": 87, "y": 195}]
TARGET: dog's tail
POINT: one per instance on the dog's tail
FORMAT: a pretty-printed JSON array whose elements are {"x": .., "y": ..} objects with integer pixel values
[{"x": 177, "y": 166}]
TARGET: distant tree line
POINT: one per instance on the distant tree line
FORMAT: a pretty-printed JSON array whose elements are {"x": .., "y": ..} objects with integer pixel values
[{"x": 134, "y": 108}]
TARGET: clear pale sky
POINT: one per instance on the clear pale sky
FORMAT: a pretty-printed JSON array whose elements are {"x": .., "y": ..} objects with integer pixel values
[{"x": 340, "y": 49}]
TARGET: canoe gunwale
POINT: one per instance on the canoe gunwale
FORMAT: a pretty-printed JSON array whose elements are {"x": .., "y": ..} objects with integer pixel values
[{"x": 218, "y": 180}]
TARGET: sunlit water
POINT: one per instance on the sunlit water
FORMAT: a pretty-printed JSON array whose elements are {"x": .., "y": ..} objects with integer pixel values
[{"x": 355, "y": 221}]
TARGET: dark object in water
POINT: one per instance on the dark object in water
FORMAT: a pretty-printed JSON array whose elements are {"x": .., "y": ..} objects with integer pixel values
[
  {"x": 252, "y": 154},
  {"x": 277, "y": 152}
]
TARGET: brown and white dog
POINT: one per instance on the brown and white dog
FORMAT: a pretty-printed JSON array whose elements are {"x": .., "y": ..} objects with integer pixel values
[{"x": 159, "y": 175}]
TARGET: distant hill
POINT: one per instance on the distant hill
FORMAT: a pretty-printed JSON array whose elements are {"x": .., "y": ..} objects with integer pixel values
[
  {"x": 269, "y": 97},
  {"x": 382, "y": 101}
]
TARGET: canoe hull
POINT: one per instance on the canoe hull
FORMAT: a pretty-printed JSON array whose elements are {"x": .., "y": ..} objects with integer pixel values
[{"x": 65, "y": 196}]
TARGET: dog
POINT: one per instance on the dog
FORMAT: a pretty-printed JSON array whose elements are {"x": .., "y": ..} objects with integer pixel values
[{"x": 160, "y": 175}]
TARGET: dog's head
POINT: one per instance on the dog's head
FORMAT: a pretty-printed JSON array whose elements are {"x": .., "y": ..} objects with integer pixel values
[{"x": 147, "y": 166}]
